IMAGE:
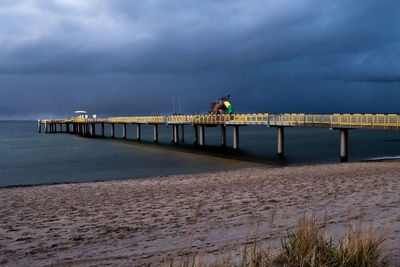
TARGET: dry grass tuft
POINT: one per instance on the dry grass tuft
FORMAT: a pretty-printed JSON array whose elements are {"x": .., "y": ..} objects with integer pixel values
[
  {"x": 360, "y": 248},
  {"x": 306, "y": 247}
]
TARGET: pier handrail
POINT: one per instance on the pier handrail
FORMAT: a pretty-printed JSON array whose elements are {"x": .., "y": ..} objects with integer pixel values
[{"x": 339, "y": 120}]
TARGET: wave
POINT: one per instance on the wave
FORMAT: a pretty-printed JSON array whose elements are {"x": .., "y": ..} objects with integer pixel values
[{"x": 385, "y": 157}]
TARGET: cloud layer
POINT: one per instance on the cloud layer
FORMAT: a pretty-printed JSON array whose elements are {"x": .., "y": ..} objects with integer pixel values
[{"x": 146, "y": 49}]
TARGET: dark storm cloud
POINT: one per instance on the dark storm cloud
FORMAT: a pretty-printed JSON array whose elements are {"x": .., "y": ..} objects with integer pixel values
[
  {"x": 127, "y": 52},
  {"x": 185, "y": 36}
]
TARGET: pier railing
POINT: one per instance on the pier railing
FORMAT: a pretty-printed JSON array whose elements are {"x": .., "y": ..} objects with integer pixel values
[{"x": 336, "y": 120}]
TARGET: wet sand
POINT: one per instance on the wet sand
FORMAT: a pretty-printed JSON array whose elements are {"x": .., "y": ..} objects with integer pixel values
[{"x": 130, "y": 222}]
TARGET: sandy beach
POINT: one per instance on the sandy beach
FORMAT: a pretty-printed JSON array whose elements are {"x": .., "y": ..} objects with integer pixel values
[{"x": 136, "y": 221}]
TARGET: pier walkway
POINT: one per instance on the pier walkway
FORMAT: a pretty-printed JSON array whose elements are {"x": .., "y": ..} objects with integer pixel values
[{"x": 336, "y": 121}]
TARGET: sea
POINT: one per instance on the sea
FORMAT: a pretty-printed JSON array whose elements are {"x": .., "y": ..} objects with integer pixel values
[{"x": 28, "y": 157}]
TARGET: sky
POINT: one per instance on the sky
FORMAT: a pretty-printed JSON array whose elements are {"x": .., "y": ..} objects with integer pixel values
[{"x": 123, "y": 57}]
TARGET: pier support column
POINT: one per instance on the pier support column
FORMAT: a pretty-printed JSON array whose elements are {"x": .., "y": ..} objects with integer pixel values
[
  {"x": 195, "y": 135},
  {"x": 92, "y": 129},
  {"x": 344, "y": 145},
  {"x": 61, "y": 127},
  {"x": 155, "y": 133},
  {"x": 172, "y": 133},
  {"x": 281, "y": 141},
  {"x": 182, "y": 133},
  {"x": 124, "y": 131},
  {"x": 223, "y": 135},
  {"x": 39, "y": 126},
  {"x": 67, "y": 127},
  {"x": 235, "y": 137},
  {"x": 176, "y": 133},
  {"x": 83, "y": 129},
  {"x": 112, "y": 130},
  {"x": 102, "y": 129},
  {"x": 46, "y": 127},
  {"x": 86, "y": 128},
  {"x": 138, "y": 132},
  {"x": 202, "y": 136}
]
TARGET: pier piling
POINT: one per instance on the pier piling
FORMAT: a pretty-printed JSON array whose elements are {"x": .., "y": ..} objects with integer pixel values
[
  {"x": 138, "y": 132},
  {"x": 92, "y": 129},
  {"x": 202, "y": 136},
  {"x": 281, "y": 141},
  {"x": 39, "y": 126},
  {"x": 195, "y": 134},
  {"x": 112, "y": 130},
  {"x": 235, "y": 137},
  {"x": 102, "y": 129},
  {"x": 155, "y": 133},
  {"x": 176, "y": 133},
  {"x": 182, "y": 133},
  {"x": 223, "y": 135},
  {"x": 344, "y": 145},
  {"x": 124, "y": 131}
]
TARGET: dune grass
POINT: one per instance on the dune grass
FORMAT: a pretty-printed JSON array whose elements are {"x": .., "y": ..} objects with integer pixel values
[{"x": 305, "y": 246}]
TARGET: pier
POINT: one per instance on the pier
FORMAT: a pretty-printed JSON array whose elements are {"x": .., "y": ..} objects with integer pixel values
[{"x": 340, "y": 122}]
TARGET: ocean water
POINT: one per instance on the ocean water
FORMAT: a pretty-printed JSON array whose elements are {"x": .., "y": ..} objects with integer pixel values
[{"x": 27, "y": 157}]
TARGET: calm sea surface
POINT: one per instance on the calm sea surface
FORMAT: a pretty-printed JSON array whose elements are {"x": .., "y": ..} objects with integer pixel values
[{"x": 27, "y": 157}]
